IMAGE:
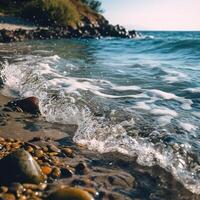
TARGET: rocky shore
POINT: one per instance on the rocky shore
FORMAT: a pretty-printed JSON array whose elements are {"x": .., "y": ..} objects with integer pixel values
[
  {"x": 41, "y": 170},
  {"x": 34, "y": 170},
  {"x": 86, "y": 31},
  {"x": 47, "y": 168}
]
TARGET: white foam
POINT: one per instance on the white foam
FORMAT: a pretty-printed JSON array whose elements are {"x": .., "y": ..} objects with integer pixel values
[
  {"x": 164, "y": 111},
  {"x": 142, "y": 106},
  {"x": 188, "y": 127},
  {"x": 186, "y": 103},
  {"x": 164, "y": 120},
  {"x": 174, "y": 76},
  {"x": 162, "y": 94},
  {"x": 140, "y": 36},
  {"x": 196, "y": 114},
  {"x": 171, "y": 79},
  {"x": 117, "y": 140},
  {"x": 126, "y": 88},
  {"x": 193, "y": 90}
]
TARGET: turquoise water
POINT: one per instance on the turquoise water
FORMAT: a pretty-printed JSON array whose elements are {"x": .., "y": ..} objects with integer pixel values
[{"x": 139, "y": 97}]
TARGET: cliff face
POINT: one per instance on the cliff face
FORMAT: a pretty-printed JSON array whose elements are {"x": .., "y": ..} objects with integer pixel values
[
  {"x": 62, "y": 18},
  {"x": 88, "y": 16}
]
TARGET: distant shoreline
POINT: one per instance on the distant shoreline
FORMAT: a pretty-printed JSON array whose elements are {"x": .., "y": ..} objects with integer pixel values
[{"x": 13, "y": 29}]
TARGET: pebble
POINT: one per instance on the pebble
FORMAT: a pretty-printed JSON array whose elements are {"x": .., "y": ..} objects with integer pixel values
[
  {"x": 46, "y": 170},
  {"x": 53, "y": 148},
  {"x": 29, "y": 149},
  {"x": 29, "y": 105},
  {"x": 3, "y": 189},
  {"x": 39, "y": 153},
  {"x": 55, "y": 172},
  {"x": 50, "y": 164},
  {"x": 66, "y": 173},
  {"x": 16, "y": 188},
  {"x": 20, "y": 166},
  {"x": 7, "y": 196},
  {"x": 81, "y": 169},
  {"x": 69, "y": 193},
  {"x": 68, "y": 152}
]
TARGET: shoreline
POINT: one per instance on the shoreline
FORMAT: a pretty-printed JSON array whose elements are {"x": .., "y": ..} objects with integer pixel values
[
  {"x": 11, "y": 31},
  {"x": 65, "y": 164}
]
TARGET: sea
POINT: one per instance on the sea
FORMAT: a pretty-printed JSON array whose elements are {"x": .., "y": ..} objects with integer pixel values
[{"x": 135, "y": 97}]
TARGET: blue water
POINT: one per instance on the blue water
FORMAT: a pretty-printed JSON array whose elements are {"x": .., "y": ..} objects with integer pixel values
[{"x": 134, "y": 96}]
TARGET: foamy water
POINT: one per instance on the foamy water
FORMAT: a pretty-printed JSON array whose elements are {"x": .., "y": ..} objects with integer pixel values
[{"x": 137, "y": 102}]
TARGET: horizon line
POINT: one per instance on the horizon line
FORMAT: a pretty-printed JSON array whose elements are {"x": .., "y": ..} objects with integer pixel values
[{"x": 168, "y": 30}]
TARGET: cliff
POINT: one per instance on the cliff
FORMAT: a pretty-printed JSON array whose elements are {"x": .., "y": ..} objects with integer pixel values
[{"x": 58, "y": 19}]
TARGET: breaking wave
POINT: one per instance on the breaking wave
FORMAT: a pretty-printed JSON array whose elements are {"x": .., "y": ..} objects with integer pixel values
[{"x": 148, "y": 129}]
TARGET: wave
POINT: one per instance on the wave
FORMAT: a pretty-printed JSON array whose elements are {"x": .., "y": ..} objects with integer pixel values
[
  {"x": 108, "y": 127},
  {"x": 165, "y": 44}
]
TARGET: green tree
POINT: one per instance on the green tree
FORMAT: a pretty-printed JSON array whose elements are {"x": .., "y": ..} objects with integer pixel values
[
  {"x": 94, "y": 5},
  {"x": 52, "y": 12}
]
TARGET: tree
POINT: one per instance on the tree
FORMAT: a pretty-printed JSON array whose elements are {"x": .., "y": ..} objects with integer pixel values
[
  {"x": 51, "y": 12},
  {"x": 94, "y": 5}
]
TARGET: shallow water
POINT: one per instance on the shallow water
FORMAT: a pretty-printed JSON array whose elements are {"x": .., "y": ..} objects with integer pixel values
[{"x": 138, "y": 97}]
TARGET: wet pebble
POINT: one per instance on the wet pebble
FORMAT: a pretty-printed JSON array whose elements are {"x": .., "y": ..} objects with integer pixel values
[
  {"x": 16, "y": 188},
  {"x": 7, "y": 196},
  {"x": 55, "y": 172},
  {"x": 53, "y": 148},
  {"x": 29, "y": 105},
  {"x": 20, "y": 166},
  {"x": 68, "y": 152},
  {"x": 81, "y": 168},
  {"x": 66, "y": 172},
  {"x": 69, "y": 193},
  {"x": 39, "y": 153},
  {"x": 3, "y": 189},
  {"x": 46, "y": 170},
  {"x": 29, "y": 149}
]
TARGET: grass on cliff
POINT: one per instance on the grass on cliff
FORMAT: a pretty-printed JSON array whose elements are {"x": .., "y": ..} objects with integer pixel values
[{"x": 52, "y": 12}]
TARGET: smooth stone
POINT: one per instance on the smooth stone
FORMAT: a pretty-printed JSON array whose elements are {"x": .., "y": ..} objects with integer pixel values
[
  {"x": 68, "y": 152},
  {"x": 3, "y": 189},
  {"x": 7, "y": 196},
  {"x": 81, "y": 168},
  {"x": 69, "y": 193},
  {"x": 29, "y": 105},
  {"x": 20, "y": 166},
  {"x": 55, "y": 172},
  {"x": 66, "y": 173},
  {"x": 46, "y": 170},
  {"x": 53, "y": 148}
]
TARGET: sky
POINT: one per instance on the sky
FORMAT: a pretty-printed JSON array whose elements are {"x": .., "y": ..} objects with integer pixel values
[{"x": 154, "y": 14}]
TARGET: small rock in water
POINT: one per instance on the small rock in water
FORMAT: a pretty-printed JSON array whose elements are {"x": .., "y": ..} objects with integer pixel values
[
  {"x": 81, "y": 168},
  {"x": 56, "y": 172},
  {"x": 46, "y": 170},
  {"x": 20, "y": 166},
  {"x": 29, "y": 105},
  {"x": 68, "y": 152},
  {"x": 69, "y": 193}
]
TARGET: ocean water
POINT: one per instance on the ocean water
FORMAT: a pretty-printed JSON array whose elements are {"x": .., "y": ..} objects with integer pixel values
[{"x": 139, "y": 97}]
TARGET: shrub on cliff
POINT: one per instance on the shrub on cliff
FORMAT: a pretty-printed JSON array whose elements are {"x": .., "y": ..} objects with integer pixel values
[{"x": 51, "y": 12}]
